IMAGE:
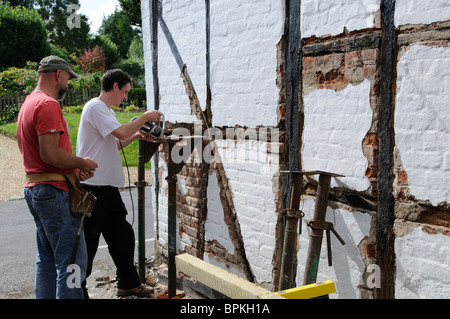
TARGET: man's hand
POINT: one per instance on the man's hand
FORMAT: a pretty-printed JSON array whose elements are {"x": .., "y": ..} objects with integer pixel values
[
  {"x": 88, "y": 166},
  {"x": 82, "y": 176},
  {"x": 152, "y": 116},
  {"x": 145, "y": 137}
]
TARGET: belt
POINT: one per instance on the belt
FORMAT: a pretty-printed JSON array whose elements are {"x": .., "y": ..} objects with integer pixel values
[{"x": 45, "y": 177}]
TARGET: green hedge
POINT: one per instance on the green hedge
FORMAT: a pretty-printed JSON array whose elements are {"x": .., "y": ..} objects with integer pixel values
[
  {"x": 23, "y": 36},
  {"x": 138, "y": 97}
]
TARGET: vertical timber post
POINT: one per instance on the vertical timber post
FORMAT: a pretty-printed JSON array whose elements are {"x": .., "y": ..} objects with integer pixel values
[
  {"x": 293, "y": 84},
  {"x": 386, "y": 215},
  {"x": 172, "y": 224},
  {"x": 293, "y": 125}
]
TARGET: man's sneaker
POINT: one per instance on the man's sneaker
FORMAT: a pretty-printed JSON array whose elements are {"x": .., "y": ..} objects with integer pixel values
[{"x": 139, "y": 291}]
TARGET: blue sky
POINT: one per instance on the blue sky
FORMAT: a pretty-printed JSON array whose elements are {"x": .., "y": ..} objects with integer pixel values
[{"x": 96, "y": 10}]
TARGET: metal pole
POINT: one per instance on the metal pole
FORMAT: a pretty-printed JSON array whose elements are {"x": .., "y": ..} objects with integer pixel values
[
  {"x": 290, "y": 234},
  {"x": 141, "y": 210},
  {"x": 316, "y": 235},
  {"x": 172, "y": 223}
]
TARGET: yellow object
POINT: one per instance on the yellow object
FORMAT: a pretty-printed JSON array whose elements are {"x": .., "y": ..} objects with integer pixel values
[{"x": 309, "y": 291}]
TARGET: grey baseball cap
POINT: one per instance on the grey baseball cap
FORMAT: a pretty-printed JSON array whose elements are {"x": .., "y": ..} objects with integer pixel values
[{"x": 54, "y": 63}]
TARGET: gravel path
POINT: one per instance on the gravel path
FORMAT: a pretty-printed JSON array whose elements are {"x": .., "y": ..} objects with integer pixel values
[{"x": 12, "y": 174}]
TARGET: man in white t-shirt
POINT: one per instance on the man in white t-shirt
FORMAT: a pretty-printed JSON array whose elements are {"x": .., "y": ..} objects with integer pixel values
[{"x": 101, "y": 137}]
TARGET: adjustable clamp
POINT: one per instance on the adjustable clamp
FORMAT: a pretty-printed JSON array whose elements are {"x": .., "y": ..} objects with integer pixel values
[
  {"x": 295, "y": 213},
  {"x": 327, "y": 226}
]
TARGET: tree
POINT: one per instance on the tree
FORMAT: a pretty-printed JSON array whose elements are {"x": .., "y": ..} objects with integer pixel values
[
  {"x": 134, "y": 64},
  {"x": 61, "y": 33},
  {"x": 133, "y": 10},
  {"x": 109, "y": 49},
  {"x": 118, "y": 28},
  {"x": 23, "y": 36},
  {"x": 136, "y": 50},
  {"x": 24, "y": 3}
]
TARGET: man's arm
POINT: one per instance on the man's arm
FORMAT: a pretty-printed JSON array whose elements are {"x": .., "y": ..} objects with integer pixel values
[
  {"x": 55, "y": 156},
  {"x": 128, "y": 130}
]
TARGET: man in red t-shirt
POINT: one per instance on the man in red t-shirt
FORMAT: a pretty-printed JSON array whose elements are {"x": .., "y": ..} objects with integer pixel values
[{"x": 44, "y": 142}]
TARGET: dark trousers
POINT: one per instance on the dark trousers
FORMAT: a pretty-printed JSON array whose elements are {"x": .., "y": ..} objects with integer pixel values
[{"x": 109, "y": 219}]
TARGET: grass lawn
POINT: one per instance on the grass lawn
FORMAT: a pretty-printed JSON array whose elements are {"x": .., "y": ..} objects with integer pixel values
[{"x": 73, "y": 121}]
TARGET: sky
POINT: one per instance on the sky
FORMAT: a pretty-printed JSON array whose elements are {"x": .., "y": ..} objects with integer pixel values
[{"x": 96, "y": 10}]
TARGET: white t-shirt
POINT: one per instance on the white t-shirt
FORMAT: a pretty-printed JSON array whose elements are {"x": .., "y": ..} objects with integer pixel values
[{"x": 96, "y": 141}]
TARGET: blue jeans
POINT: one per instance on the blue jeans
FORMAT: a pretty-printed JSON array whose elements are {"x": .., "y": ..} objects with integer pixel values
[{"x": 56, "y": 232}]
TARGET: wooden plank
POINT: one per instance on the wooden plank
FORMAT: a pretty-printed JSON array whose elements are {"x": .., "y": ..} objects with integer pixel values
[{"x": 221, "y": 280}]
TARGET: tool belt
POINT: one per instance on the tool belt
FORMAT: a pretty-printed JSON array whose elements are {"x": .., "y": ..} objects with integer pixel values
[{"x": 81, "y": 202}]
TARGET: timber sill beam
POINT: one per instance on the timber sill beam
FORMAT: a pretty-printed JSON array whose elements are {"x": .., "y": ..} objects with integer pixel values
[{"x": 221, "y": 280}]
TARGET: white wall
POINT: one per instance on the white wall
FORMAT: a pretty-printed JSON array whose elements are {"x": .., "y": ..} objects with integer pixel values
[
  {"x": 186, "y": 22},
  {"x": 331, "y": 17},
  {"x": 335, "y": 126},
  {"x": 250, "y": 175},
  {"x": 421, "y": 11},
  {"x": 422, "y": 262},
  {"x": 422, "y": 136},
  {"x": 422, "y": 120},
  {"x": 244, "y": 35}
]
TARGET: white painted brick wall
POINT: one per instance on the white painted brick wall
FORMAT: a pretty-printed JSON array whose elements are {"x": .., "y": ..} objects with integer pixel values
[
  {"x": 250, "y": 172},
  {"x": 215, "y": 228},
  {"x": 186, "y": 22},
  {"x": 422, "y": 117},
  {"x": 244, "y": 35},
  {"x": 422, "y": 262},
  {"x": 421, "y": 11},
  {"x": 335, "y": 126},
  {"x": 329, "y": 17}
]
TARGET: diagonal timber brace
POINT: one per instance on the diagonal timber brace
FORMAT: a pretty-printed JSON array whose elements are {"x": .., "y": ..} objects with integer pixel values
[{"x": 230, "y": 214}]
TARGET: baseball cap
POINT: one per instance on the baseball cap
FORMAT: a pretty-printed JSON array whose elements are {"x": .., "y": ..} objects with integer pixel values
[{"x": 54, "y": 63}]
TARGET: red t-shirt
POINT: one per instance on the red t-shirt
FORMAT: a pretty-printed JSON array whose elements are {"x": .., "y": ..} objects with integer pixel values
[{"x": 41, "y": 114}]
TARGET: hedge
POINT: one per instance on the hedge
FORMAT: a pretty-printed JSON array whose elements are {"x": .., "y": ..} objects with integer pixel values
[{"x": 23, "y": 36}]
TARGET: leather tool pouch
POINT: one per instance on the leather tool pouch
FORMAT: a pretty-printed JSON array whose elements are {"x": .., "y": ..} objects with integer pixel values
[{"x": 81, "y": 201}]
